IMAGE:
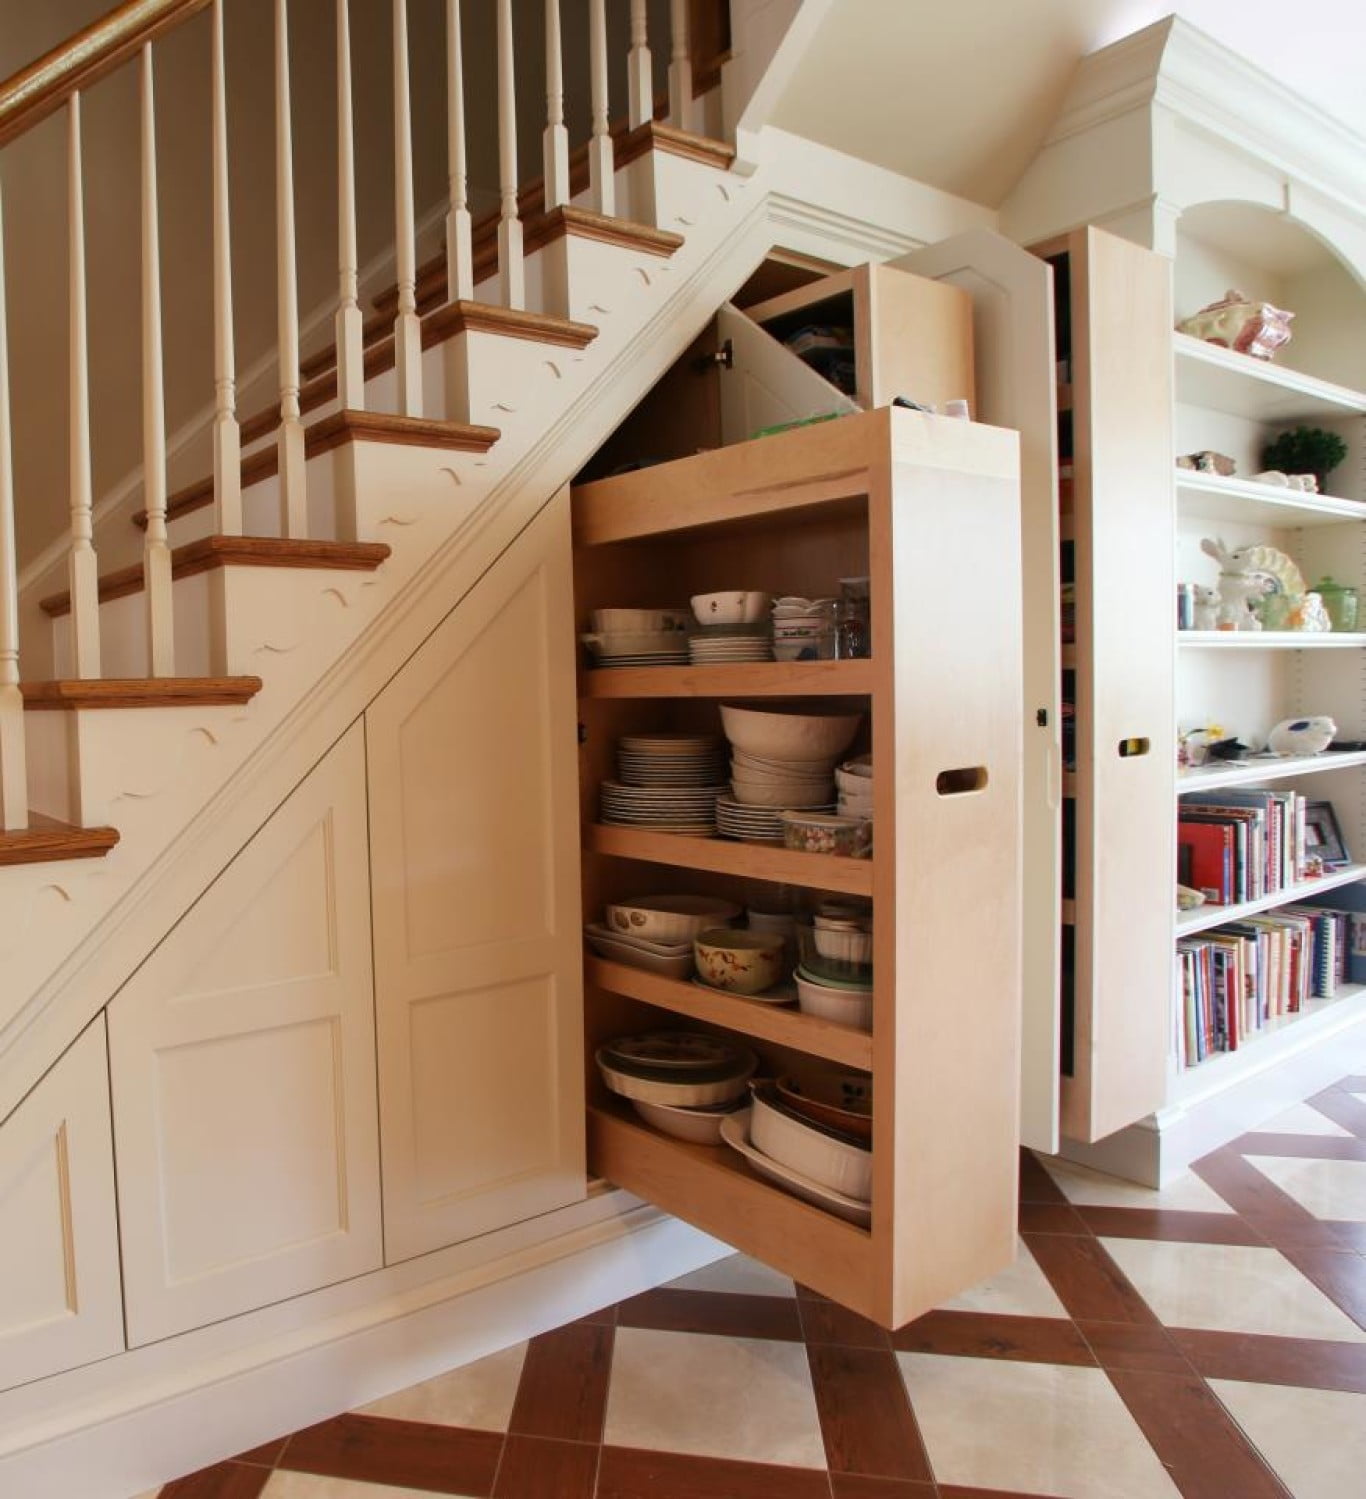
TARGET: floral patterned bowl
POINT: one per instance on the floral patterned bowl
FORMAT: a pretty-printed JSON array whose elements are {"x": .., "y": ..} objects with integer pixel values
[{"x": 742, "y": 961}]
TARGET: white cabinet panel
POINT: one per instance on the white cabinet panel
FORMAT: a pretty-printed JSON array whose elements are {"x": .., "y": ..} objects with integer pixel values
[
  {"x": 474, "y": 839},
  {"x": 243, "y": 1071},
  {"x": 59, "y": 1257}
]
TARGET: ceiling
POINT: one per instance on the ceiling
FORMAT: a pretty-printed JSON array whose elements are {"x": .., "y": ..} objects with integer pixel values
[{"x": 971, "y": 87}]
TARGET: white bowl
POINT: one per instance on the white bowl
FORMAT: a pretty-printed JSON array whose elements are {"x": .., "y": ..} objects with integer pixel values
[
  {"x": 639, "y": 621},
  {"x": 701, "y": 1126},
  {"x": 735, "y": 1133},
  {"x": 811, "y": 1150},
  {"x": 629, "y": 939},
  {"x": 849, "y": 947},
  {"x": 856, "y": 779},
  {"x": 734, "y": 608},
  {"x": 844, "y": 1006},
  {"x": 808, "y": 770},
  {"x": 669, "y": 918},
  {"x": 786, "y": 734},
  {"x": 781, "y": 796},
  {"x": 636, "y": 642},
  {"x": 683, "y": 1095}
]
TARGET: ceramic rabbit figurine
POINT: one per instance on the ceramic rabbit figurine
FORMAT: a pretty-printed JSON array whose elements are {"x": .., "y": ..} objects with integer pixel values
[
  {"x": 1206, "y": 610},
  {"x": 1238, "y": 586}
]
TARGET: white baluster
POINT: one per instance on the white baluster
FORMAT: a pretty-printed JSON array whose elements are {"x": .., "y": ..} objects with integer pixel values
[
  {"x": 556, "y": 149},
  {"x": 511, "y": 270},
  {"x": 350, "y": 348},
  {"x": 680, "y": 70},
  {"x": 13, "y": 772},
  {"x": 227, "y": 435},
  {"x": 407, "y": 329},
  {"x": 156, "y": 552},
  {"x": 601, "y": 159},
  {"x": 639, "y": 69},
  {"x": 459, "y": 251},
  {"x": 82, "y": 567},
  {"x": 293, "y": 498}
]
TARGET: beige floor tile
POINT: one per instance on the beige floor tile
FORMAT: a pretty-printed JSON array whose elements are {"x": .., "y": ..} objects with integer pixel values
[
  {"x": 283, "y": 1485},
  {"x": 1314, "y": 1439},
  {"x": 1301, "y": 1119},
  {"x": 737, "y": 1273},
  {"x": 478, "y": 1395},
  {"x": 1328, "y": 1189},
  {"x": 1021, "y": 1291},
  {"x": 744, "y": 1398},
  {"x": 1080, "y": 1184},
  {"x": 1230, "y": 1288},
  {"x": 1030, "y": 1428}
]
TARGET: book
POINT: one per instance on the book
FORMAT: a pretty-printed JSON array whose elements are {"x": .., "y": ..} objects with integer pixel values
[{"x": 1205, "y": 859}]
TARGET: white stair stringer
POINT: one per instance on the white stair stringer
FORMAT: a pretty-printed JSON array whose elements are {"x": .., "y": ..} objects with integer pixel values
[{"x": 185, "y": 798}]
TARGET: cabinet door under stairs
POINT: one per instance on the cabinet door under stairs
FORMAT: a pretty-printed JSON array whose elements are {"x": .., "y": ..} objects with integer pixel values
[
  {"x": 473, "y": 815},
  {"x": 242, "y": 1058},
  {"x": 59, "y": 1252}
]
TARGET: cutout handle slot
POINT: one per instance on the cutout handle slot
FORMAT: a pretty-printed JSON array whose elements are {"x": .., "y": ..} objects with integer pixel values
[
  {"x": 1129, "y": 748},
  {"x": 959, "y": 782}
]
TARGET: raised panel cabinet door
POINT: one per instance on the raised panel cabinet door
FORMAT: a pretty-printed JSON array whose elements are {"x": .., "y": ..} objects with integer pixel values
[
  {"x": 1012, "y": 324},
  {"x": 59, "y": 1246},
  {"x": 243, "y": 1065},
  {"x": 764, "y": 383},
  {"x": 478, "y": 956}
]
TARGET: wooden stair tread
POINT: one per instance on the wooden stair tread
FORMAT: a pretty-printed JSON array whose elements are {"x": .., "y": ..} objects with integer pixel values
[
  {"x": 72, "y": 693},
  {"x": 235, "y": 551},
  {"x": 331, "y": 432},
  {"x": 46, "y": 838}
]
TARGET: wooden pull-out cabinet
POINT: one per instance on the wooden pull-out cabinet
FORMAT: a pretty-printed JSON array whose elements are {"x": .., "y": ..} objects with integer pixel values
[{"x": 928, "y": 508}]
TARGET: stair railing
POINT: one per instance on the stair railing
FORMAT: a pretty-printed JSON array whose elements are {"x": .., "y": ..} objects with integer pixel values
[{"x": 59, "y": 80}]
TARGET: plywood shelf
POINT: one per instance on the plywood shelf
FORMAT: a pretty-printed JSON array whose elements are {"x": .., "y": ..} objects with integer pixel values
[
  {"x": 1202, "y": 918},
  {"x": 781, "y": 1025},
  {"x": 735, "y": 679},
  {"x": 712, "y": 1188},
  {"x": 756, "y": 861}
]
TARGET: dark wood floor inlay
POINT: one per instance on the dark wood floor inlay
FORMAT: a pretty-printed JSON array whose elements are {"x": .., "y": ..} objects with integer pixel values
[
  {"x": 538, "y": 1468},
  {"x": 563, "y": 1392},
  {"x": 404, "y": 1454},
  {"x": 865, "y": 1414},
  {"x": 222, "y": 1481},
  {"x": 631, "y": 1473},
  {"x": 1087, "y": 1281},
  {"x": 1311, "y": 1363},
  {"x": 1169, "y": 1224},
  {"x": 1124, "y": 1345},
  {"x": 1035, "y": 1340},
  {"x": 727, "y": 1313}
]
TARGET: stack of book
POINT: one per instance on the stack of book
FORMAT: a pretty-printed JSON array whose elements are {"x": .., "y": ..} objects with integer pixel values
[
  {"x": 1235, "y": 846},
  {"x": 1234, "y": 980}
]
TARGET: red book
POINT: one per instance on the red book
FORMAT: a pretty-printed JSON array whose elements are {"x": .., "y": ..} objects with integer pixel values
[{"x": 1205, "y": 859}]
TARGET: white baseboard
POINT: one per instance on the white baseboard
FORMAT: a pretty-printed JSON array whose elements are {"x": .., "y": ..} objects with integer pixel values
[
  {"x": 146, "y": 1417},
  {"x": 1233, "y": 1098}
]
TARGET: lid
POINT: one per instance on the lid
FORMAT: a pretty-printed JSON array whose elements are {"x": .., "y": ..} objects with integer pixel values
[{"x": 1326, "y": 585}]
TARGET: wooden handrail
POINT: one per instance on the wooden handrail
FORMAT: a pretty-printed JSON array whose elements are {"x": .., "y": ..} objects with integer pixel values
[{"x": 38, "y": 90}]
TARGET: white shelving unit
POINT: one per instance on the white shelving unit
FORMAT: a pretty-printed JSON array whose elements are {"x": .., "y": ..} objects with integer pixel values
[{"x": 1188, "y": 923}]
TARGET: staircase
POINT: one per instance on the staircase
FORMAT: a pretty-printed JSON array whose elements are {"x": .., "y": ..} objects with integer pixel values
[{"x": 152, "y": 715}]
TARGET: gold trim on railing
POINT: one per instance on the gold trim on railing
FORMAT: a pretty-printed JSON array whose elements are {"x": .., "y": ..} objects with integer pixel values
[{"x": 36, "y": 91}]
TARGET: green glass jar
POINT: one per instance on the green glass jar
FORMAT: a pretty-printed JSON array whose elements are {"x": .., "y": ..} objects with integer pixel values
[{"x": 1340, "y": 601}]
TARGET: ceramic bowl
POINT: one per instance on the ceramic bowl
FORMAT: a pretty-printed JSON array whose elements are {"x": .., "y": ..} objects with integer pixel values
[
  {"x": 781, "y": 794},
  {"x": 639, "y": 621},
  {"x": 729, "y": 608},
  {"x": 700, "y": 1126},
  {"x": 844, "y": 946},
  {"x": 617, "y": 949},
  {"x": 735, "y": 1133},
  {"x": 684, "y": 1092},
  {"x": 820, "y": 833},
  {"x": 787, "y": 734},
  {"x": 807, "y": 1147},
  {"x": 669, "y": 918},
  {"x": 636, "y": 642},
  {"x": 842, "y": 1100},
  {"x": 856, "y": 779},
  {"x": 823, "y": 965},
  {"x": 852, "y": 1007},
  {"x": 758, "y": 765},
  {"x": 744, "y": 962}
]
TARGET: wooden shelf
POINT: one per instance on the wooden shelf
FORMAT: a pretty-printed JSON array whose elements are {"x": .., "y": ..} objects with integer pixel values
[
  {"x": 755, "y": 861},
  {"x": 777, "y": 1023},
  {"x": 1316, "y": 1024},
  {"x": 734, "y": 679},
  {"x": 1204, "y": 917},
  {"x": 1063, "y": 396},
  {"x": 1271, "y": 640},
  {"x": 1069, "y": 912},
  {"x": 712, "y": 1188},
  {"x": 1222, "y": 380},
  {"x": 1211, "y": 497},
  {"x": 1254, "y": 772}
]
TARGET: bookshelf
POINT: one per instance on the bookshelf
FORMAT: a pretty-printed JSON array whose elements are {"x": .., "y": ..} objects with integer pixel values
[
  {"x": 1202, "y": 918},
  {"x": 790, "y": 514}
]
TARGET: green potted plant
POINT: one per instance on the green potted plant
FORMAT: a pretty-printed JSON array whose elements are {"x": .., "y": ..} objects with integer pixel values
[{"x": 1305, "y": 450}]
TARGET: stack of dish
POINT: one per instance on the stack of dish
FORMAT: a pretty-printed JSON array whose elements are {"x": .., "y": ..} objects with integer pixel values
[
  {"x": 666, "y": 809},
  {"x": 804, "y": 629},
  {"x": 638, "y": 637},
  {"x": 783, "y": 760},
  {"x": 656, "y": 932},
  {"x": 682, "y": 1083},
  {"x": 854, "y": 780},
  {"x": 672, "y": 960},
  {"x": 808, "y": 1158},
  {"x": 720, "y": 643},
  {"x": 669, "y": 782},
  {"x": 750, "y": 824},
  {"x": 670, "y": 760},
  {"x": 835, "y": 964}
]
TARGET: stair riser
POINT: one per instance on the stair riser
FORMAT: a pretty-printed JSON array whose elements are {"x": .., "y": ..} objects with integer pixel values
[{"x": 588, "y": 281}]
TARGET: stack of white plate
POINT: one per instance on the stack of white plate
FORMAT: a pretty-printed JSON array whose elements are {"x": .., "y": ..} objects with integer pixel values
[
  {"x": 720, "y": 643},
  {"x": 638, "y": 647},
  {"x": 666, "y": 809},
  {"x": 734, "y": 819},
  {"x": 671, "y": 760}
]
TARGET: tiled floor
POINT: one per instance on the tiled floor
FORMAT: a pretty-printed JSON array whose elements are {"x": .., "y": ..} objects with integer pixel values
[{"x": 1207, "y": 1341}]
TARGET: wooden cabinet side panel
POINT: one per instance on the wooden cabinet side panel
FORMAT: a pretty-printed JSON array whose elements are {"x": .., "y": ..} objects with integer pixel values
[
  {"x": 242, "y": 1061},
  {"x": 60, "y": 1302},
  {"x": 948, "y": 872},
  {"x": 1125, "y": 524},
  {"x": 917, "y": 335},
  {"x": 474, "y": 837}
]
